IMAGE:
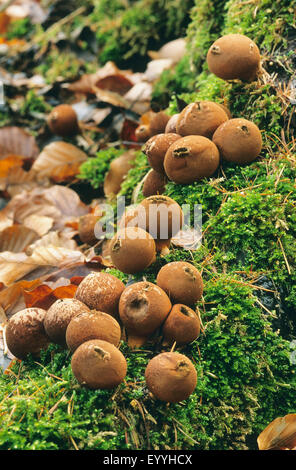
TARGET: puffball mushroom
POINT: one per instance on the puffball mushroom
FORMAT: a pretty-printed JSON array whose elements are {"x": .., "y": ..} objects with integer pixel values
[
  {"x": 58, "y": 317},
  {"x": 182, "y": 325},
  {"x": 200, "y": 118},
  {"x": 234, "y": 56},
  {"x": 63, "y": 121},
  {"x": 170, "y": 128},
  {"x": 100, "y": 291},
  {"x": 238, "y": 140},
  {"x": 154, "y": 184},
  {"x": 181, "y": 281},
  {"x": 25, "y": 333},
  {"x": 98, "y": 364},
  {"x": 156, "y": 148},
  {"x": 119, "y": 168},
  {"x": 158, "y": 123},
  {"x": 92, "y": 325},
  {"x": 191, "y": 159},
  {"x": 142, "y": 133},
  {"x": 171, "y": 377},
  {"x": 86, "y": 228},
  {"x": 132, "y": 250},
  {"x": 143, "y": 307}
]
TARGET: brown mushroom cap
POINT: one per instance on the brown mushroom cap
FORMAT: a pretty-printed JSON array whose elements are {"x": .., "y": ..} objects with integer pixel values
[
  {"x": 143, "y": 307},
  {"x": 234, "y": 56},
  {"x": 238, "y": 141},
  {"x": 162, "y": 217},
  {"x": 92, "y": 325},
  {"x": 119, "y": 168},
  {"x": 98, "y": 364},
  {"x": 156, "y": 148},
  {"x": 181, "y": 281},
  {"x": 182, "y": 325},
  {"x": 100, "y": 291},
  {"x": 132, "y": 250},
  {"x": 86, "y": 228},
  {"x": 58, "y": 317},
  {"x": 143, "y": 133},
  {"x": 201, "y": 118},
  {"x": 171, "y": 377},
  {"x": 170, "y": 128},
  {"x": 25, "y": 333},
  {"x": 63, "y": 121},
  {"x": 227, "y": 111},
  {"x": 191, "y": 159},
  {"x": 154, "y": 184},
  {"x": 158, "y": 123}
]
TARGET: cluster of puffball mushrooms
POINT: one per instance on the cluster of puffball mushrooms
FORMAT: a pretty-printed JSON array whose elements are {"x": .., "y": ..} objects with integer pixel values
[
  {"x": 183, "y": 148},
  {"x": 91, "y": 324}
]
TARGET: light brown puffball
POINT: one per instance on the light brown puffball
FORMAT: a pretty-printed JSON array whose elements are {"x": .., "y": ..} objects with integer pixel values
[
  {"x": 100, "y": 291},
  {"x": 98, "y": 364},
  {"x": 181, "y": 326},
  {"x": 181, "y": 281},
  {"x": 171, "y": 377},
  {"x": 25, "y": 333},
  {"x": 238, "y": 140},
  {"x": 201, "y": 118},
  {"x": 234, "y": 56},
  {"x": 191, "y": 159}
]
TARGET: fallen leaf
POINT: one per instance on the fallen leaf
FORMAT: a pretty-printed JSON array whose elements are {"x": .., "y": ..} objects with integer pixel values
[
  {"x": 9, "y": 163},
  {"x": 16, "y": 141},
  {"x": 59, "y": 161},
  {"x": 280, "y": 434},
  {"x": 174, "y": 50},
  {"x": 43, "y": 296},
  {"x": 17, "y": 238}
]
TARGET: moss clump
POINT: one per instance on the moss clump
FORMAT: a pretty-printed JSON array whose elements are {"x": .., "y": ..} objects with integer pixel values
[{"x": 94, "y": 169}]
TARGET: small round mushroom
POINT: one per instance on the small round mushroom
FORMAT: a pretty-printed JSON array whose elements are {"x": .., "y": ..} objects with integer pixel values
[
  {"x": 154, "y": 184},
  {"x": 143, "y": 133},
  {"x": 171, "y": 377},
  {"x": 92, "y": 325},
  {"x": 181, "y": 281},
  {"x": 119, "y": 168},
  {"x": 171, "y": 125},
  {"x": 158, "y": 123},
  {"x": 100, "y": 291},
  {"x": 227, "y": 111},
  {"x": 143, "y": 307},
  {"x": 58, "y": 317},
  {"x": 132, "y": 250},
  {"x": 63, "y": 121},
  {"x": 86, "y": 228},
  {"x": 25, "y": 333},
  {"x": 201, "y": 118},
  {"x": 238, "y": 140},
  {"x": 181, "y": 326},
  {"x": 234, "y": 56},
  {"x": 97, "y": 364},
  {"x": 156, "y": 148},
  {"x": 191, "y": 159}
]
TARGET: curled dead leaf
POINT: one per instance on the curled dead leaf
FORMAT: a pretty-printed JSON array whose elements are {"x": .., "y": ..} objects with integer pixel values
[
  {"x": 16, "y": 141},
  {"x": 17, "y": 238},
  {"x": 59, "y": 161},
  {"x": 280, "y": 434},
  {"x": 43, "y": 296}
]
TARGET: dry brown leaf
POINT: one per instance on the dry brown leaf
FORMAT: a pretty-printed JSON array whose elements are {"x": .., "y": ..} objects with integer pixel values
[
  {"x": 43, "y": 296},
  {"x": 8, "y": 163},
  {"x": 59, "y": 161},
  {"x": 16, "y": 141},
  {"x": 174, "y": 50},
  {"x": 156, "y": 67},
  {"x": 18, "y": 180},
  {"x": 56, "y": 239},
  {"x": 11, "y": 298},
  {"x": 17, "y": 238},
  {"x": 280, "y": 434},
  {"x": 40, "y": 224}
]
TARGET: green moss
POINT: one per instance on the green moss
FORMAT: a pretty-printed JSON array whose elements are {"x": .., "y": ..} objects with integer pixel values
[{"x": 94, "y": 169}]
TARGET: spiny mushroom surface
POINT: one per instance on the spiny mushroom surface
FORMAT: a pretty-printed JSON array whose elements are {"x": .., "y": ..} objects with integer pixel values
[
  {"x": 234, "y": 56},
  {"x": 132, "y": 250},
  {"x": 58, "y": 317},
  {"x": 63, "y": 121},
  {"x": 191, "y": 159},
  {"x": 181, "y": 281},
  {"x": 171, "y": 377},
  {"x": 201, "y": 118},
  {"x": 156, "y": 148},
  {"x": 238, "y": 140},
  {"x": 98, "y": 364},
  {"x": 25, "y": 333},
  {"x": 182, "y": 325},
  {"x": 92, "y": 325},
  {"x": 143, "y": 307},
  {"x": 100, "y": 291}
]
